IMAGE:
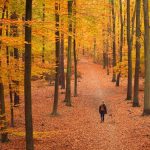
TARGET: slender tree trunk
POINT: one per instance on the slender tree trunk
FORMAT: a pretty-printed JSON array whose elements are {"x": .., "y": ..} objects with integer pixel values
[
  {"x": 57, "y": 42},
  {"x": 147, "y": 58},
  {"x": 43, "y": 37},
  {"x": 27, "y": 78},
  {"x": 9, "y": 80},
  {"x": 104, "y": 57},
  {"x": 94, "y": 50},
  {"x": 68, "y": 78},
  {"x": 14, "y": 33},
  {"x": 75, "y": 55},
  {"x": 114, "y": 40},
  {"x": 129, "y": 85},
  {"x": 121, "y": 43},
  {"x": 137, "y": 64},
  {"x": 3, "y": 123},
  {"x": 62, "y": 73},
  {"x": 16, "y": 91}
]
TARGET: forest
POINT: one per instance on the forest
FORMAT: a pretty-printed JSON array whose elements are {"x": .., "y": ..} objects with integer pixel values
[{"x": 61, "y": 61}]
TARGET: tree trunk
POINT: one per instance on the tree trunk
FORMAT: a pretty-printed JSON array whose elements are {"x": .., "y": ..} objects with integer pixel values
[
  {"x": 57, "y": 42},
  {"x": 129, "y": 85},
  {"x": 3, "y": 123},
  {"x": 137, "y": 64},
  {"x": 68, "y": 77},
  {"x": 114, "y": 40},
  {"x": 121, "y": 43},
  {"x": 27, "y": 78},
  {"x": 62, "y": 72},
  {"x": 147, "y": 58},
  {"x": 43, "y": 37},
  {"x": 75, "y": 55},
  {"x": 94, "y": 50},
  {"x": 14, "y": 33},
  {"x": 9, "y": 80}
]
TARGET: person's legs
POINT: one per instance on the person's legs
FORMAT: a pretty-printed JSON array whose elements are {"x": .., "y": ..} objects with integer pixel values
[{"x": 102, "y": 116}]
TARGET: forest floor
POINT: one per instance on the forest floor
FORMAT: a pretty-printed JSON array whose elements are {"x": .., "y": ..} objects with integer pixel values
[{"x": 78, "y": 127}]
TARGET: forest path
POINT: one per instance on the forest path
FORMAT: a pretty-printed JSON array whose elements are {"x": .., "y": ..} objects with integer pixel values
[
  {"x": 78, "y": 127},
  {"x": 93, "y": 91}
]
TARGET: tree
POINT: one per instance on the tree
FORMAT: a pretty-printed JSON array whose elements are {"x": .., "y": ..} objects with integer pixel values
[
  {"x": 43, "y": 37},
  {"x": 62, "y": 73},
  {"x": 9, "y": 79},
  {"x": 147, "y": 58},
  {"x": 137, "y": 64},
  {"x": 114, "y": 39},
  {"x": 3, "y": 123},
  {"x": 68, "y": 76},
  {"x": 121, "y": 42},
  {"x": 75, "y": 55},
  {"x": 14, "y": 33},
  {"x": 27, "y": 78},
  {"x": 57, "y": 42},
  {"x": 129, "y": 84}
]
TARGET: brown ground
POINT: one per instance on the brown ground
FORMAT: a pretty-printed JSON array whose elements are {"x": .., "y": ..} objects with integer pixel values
[{"x": 79, "y": 127}]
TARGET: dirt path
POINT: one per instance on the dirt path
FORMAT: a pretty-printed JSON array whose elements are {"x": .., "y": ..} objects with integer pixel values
[{"x": 78, "y": 127}]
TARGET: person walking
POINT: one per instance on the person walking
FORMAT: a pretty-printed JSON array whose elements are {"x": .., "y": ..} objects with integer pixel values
[{"x": 102, "y": 111}]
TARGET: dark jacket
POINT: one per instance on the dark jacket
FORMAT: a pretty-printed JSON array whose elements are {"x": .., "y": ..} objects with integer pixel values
[{"x": 102, "y": 108}]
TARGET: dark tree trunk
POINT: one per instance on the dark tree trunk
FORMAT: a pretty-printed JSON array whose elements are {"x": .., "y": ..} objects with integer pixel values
[
  {"x": 9, "y": 80},
  {"x": 137, "y": 64},
  {"x": 129, "y": 85},
  {"x": 4, "y": 134},
  {"x": 62, "y": 72},
  {"x": 147, "y": 58},
  {"x": 43, "y": 37},
  {"x": 94, "y": 50},
  {"x": 14, "y": 33},
  {"x": 104, "y": 58},
  {"x": 68, "y": 77},
  {"x": 75, "y": 55},
  {"x": 27, "y": 78},
  {"x": 16, "y": 91},
  {"x": 3, "y": 123},
  {"x": 57, "y": 42},
  {"x": 121, "y": 43},
  {"x": 114, "y": 40}
]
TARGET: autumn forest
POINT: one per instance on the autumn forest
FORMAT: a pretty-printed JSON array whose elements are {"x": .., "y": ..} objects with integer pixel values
[{"x": 74, "y": 74}]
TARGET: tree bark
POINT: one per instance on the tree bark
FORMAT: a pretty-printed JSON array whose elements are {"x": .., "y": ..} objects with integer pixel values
[
  {"x": 9, "y": 80},
  {"x": 137, "y": 64},
  {"x": 114, "y": 40},
  {"x": 75, "y": 55},
  {"x": 129, "y": 85},
  {"x": 43, "y": 37},
  {"x": 27, "y": 78},
  {"x": 68, "y": 77},
  {"x": 147, "y": 58},
  {"x": 57, "y": 52},
  {"x": 121, "y": 43},
  {"x": 4, "y": 134}
]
